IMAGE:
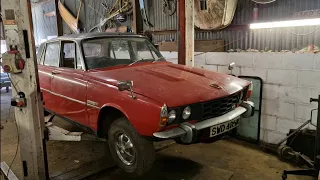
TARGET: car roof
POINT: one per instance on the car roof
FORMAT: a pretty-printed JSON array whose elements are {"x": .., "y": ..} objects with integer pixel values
[{"x": 83, "y": 36}]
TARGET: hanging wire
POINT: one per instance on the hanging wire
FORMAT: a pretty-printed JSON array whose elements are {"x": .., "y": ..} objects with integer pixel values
[
  {"x": 17, "y": 148},
  {"x": 307, "y": 34}
]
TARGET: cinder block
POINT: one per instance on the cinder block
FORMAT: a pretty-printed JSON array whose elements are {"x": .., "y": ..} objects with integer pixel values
[
  {"x": 262, "y": 132},
  {"x": 199, "y": 58},
  {"x": 287, "y": 110},
  {"x": 309, "y": 78},
  {"x": 311, "y": 127},
  {"x": 267, "y": 60},
  {"x": 317, "y": 61},
  {"x": 165, "y": 54},
  {"x": 273, "y": 137},
  {"x": 225, "y": 70},
  {"x": 303, "y": 113},
  {"x": 298, "y": 61},
  {"x": 295, "y": 94},
  {"x": 271, "y": 91},
  {"x": 262, "y": 73},
  {"x": 209, "y": 67},
  {"x": 241, "y": 59},
  {"x": 270, "y": 107},
  {"x": 169, "y": 55},
  {"x": 279, "y": 109},
  {"x": 268, "y": 122},
  {"x": 315, "y": 92},
  {"x": 284, "y": 125},
  {"x": 217, "y": 58},
  {"x": 174, "y": 61},
  {"x": 282, "y": 77}
]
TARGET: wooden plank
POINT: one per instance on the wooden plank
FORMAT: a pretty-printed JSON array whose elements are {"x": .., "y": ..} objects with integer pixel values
[
  {"x": 182, "y": 33},
  {"x": 5, "y": 169},
  {"x": 137, "y": 24},
  {"x": 85, "y": 170},
  {"x": 200, "y": 46},
  {"x": 58, "y": 19}
]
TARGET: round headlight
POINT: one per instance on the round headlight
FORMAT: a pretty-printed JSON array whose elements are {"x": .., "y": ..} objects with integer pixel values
[
  {"x": 171, "y": 116},
  {"x": 186, "y": 113}
]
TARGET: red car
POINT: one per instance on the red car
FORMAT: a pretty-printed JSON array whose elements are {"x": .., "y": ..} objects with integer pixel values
[{"x": 120, "y": 87}]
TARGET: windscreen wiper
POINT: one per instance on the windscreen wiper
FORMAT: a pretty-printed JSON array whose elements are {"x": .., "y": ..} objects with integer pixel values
[
  {"x": 142, "y": 59},
  {"x": 158, "y": 59}
]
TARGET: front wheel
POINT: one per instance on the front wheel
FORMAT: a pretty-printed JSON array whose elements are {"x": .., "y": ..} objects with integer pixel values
[{"x": 132, "y": 153}]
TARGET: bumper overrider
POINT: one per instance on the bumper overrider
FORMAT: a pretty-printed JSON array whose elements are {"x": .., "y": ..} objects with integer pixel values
[{"x": 188, "y": 132}]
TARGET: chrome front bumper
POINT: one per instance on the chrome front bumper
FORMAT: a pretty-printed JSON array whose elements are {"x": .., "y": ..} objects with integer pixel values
[{"x": 188, "y": 131}]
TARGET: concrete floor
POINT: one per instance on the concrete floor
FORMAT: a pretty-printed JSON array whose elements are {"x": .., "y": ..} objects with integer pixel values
[{"x": 223, "y": 160}]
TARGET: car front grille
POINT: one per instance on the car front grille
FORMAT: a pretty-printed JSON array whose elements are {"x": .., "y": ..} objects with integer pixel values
[{"x": 220, "y": 106}]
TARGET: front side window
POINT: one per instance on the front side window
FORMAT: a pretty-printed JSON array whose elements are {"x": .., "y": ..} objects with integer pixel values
[
  {"x": 52, "y": 54},
  {"x": 107, "y": 52}
]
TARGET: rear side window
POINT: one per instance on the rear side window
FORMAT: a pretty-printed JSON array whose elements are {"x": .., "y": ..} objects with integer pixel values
[
  {"x": 70, "y": 56},
  {"x": 52, "y": 54}
]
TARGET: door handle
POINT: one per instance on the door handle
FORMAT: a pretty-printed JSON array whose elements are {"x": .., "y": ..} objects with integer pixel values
[{"x": 55, "y": 72}]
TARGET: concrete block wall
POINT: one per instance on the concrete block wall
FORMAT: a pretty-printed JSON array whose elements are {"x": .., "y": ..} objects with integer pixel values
[{"x": 290, "y": 79}]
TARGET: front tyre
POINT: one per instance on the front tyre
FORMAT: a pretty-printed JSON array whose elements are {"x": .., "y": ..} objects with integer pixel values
[{"x": 132, "y": 153}]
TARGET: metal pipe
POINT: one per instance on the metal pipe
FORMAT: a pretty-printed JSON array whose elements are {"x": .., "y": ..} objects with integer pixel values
[
  {"x": 317, "y": 148},
  {"x": 294, "y": 132}
]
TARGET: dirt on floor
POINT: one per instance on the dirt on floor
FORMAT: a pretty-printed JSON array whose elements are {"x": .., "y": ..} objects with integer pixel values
[{"x": 222, "y": 160}]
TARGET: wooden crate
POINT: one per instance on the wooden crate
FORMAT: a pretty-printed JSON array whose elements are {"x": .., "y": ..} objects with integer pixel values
[{"x": 199, "y": 46}]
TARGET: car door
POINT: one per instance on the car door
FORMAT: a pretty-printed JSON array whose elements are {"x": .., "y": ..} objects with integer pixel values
[
  {"x": 68, "y": 84},
  {"x": 49, "y": 61}
]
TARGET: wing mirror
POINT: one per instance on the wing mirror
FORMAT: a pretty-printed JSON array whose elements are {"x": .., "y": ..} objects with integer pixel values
[
  {"x": 126, "y": 86},
  {"x": 231, "y": 66}
]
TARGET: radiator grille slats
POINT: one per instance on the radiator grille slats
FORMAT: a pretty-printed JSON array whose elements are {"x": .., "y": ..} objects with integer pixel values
[{"x": 219, "y": 107}]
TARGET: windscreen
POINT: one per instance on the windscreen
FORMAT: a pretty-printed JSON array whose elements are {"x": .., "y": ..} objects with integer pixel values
[{"x": 107, "y": 52}]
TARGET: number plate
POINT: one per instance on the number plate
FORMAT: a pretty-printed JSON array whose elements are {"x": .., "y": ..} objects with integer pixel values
[{"x": 224, "y": 127}]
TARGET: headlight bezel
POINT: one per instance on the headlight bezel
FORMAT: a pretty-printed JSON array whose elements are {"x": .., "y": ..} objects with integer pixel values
[
  {"x": 172, "y": 116},
  {"x": 186, "y": 113},
  {"x": 195, "y": 114}
]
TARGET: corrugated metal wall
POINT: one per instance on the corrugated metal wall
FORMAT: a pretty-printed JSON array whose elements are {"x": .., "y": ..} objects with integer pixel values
[
  {"x": 43, "y": 26},
  {"x": 89, "y": 17},
  {"x": 272, "y": 39}
]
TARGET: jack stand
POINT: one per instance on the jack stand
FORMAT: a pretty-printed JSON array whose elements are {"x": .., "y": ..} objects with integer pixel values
[{"x": 315, "y": 172}]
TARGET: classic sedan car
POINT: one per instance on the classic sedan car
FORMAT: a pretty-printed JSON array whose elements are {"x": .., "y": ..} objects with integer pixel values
[{"x": 120, "y": 87}]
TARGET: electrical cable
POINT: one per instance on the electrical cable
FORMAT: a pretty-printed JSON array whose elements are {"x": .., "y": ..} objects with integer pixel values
[
  {"x": 13, "y": 84},
  {"x": 252, "y": 33},
  {"x": 18, "y": 141},
  {"x": 17, "y": 149},
  {"x": 226, "y": 44},
  {"x": 17, "y": 128},
  {"x": 307, "y": 34}
]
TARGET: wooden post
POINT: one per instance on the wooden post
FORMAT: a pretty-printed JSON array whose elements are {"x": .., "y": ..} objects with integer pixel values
[
  {"x": 186, "y": 32},
  {"x": 58, "y": 19},
  {"x": 137, "y": 24},
  {"x": 317, "y": 149},
  {"x": 30, "y": 119}
]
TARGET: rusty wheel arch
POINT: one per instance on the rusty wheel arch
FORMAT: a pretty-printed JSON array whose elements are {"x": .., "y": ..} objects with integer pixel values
[{"x": 107, "y": 115}]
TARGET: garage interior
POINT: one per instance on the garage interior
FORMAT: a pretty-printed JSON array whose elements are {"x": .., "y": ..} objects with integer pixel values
[{"x": 274, "y": 44}]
